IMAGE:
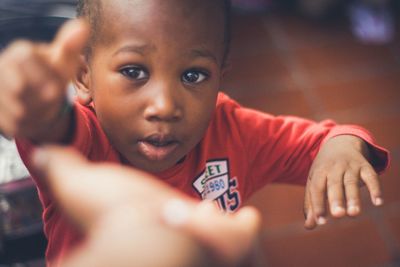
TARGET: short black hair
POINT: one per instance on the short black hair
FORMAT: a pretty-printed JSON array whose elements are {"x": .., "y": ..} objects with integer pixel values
[{"x": 91, "y": 11}]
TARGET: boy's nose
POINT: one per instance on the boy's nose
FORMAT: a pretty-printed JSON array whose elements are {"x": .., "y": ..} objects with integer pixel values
[{"x": 163, "y": 105}]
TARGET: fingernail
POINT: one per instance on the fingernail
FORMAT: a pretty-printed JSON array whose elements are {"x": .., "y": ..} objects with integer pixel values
[
  {"x": 175, "y": 212},
  {"x": 352, "y": 209},
  {"x": 40, "y": 158},
  {"x": 321, "y": 221},
  {"x": 337, "y": 210},
  {"x": 378, "y": 201}
]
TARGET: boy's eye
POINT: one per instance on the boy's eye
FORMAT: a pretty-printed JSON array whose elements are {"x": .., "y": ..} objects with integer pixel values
[
  {"x": 135, "y": 73},
  {"x": 194, "y": 76}
]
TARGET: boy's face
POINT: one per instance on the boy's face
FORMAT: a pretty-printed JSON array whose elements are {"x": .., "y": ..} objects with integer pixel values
[{"x": 154, "y": 76}]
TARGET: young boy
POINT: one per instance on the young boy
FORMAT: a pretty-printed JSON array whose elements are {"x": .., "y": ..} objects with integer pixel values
[{"x": 148, "y": 97}]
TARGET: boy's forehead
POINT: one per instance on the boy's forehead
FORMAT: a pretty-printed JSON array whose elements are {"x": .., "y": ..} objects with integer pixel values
[
  {"x": 187, "y": 19},
  {"x": 184, "y": 9}
]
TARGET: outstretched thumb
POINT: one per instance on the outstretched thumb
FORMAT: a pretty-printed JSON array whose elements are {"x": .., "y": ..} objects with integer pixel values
[{"x": 66, "y": 48}]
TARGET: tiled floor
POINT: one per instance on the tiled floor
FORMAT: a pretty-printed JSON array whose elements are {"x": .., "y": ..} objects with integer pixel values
[{"x": 285, "y": 64}]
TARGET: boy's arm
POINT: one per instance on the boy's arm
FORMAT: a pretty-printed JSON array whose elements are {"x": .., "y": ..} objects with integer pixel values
[
  {"x": 34, "y": 79},
  {"x": 283, "y": 148},
  {"x": 343, "y": 163}
]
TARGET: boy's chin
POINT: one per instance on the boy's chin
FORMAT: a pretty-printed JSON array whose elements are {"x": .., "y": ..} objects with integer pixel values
[{"x": 156, "y": 166}]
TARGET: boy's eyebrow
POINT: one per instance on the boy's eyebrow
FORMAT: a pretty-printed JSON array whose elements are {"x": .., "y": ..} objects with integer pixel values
[
  {"x": 140, "y": 49},
  {"x": 204, "y": 53}
]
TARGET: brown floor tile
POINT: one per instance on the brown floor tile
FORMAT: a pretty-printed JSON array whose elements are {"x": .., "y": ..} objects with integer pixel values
[
  {"x": 249, "y": 36},
  {"x": 279, "y": 205},
  {"x": 386, "y": 130},
  {"x": 303, "y": 33},
  {"x": 391, "y": 182},
  {"x": 262, "y": 72},
  {"x": 345, "y": 244},
  {"x": 371, "y": 91},
  {"x": 393, "y": 220},
  {"x": 332, "y": 62}
]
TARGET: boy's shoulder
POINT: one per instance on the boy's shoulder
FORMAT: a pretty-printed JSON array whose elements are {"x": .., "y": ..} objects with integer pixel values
[
  {"x": 225, "y": 102},
  {"x": 229, "y": 114},
  {"x": 224, "y": 98}
]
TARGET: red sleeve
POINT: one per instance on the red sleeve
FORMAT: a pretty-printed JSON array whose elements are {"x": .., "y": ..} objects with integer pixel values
[{"x": 281, "y": 148}]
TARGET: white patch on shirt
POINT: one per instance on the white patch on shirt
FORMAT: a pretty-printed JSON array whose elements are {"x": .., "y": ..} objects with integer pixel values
[{"x": 214, "y": 181}]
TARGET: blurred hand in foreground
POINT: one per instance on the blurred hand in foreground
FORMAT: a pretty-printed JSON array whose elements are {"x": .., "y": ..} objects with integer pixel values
[{"x": 131, "y": 219}]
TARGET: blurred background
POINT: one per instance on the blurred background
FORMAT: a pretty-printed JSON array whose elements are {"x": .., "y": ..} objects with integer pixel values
[{"x": 312, "y": 58}]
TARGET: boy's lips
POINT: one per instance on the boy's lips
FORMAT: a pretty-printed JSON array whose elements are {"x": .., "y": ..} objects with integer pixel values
[{"x": 157, "y": 147}]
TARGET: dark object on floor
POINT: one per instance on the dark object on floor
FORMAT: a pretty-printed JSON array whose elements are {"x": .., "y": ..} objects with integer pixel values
[{"x": 21, "y": 234}]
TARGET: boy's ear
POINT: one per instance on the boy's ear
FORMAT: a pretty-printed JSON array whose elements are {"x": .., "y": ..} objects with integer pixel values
[{"x": 82, "y": 82}]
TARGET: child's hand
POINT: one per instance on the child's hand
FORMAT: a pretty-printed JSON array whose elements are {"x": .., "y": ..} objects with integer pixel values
[
  {"x": 34, "y": 78},
  {"x": 340, "y": 168}
]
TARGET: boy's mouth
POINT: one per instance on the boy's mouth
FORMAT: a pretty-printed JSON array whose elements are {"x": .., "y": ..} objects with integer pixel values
[{"x": 157, "y": 147}]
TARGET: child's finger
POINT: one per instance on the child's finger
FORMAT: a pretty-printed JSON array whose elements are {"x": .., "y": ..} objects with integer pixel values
[
  {"x": 336, "y": 194},
  {"x": 308, "y": 213},
  {"x": 310, "y": 223},
  {"x": 371, "y": 179},
  {"x": 318, "y": 197},
  {"x": 30, "y": 81},
  {"x": 352, "y": 190},
  {"x": 68, "y": 46},
  {"x": 44, "y": 96},
  {"x": 38, "y": 76}
]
